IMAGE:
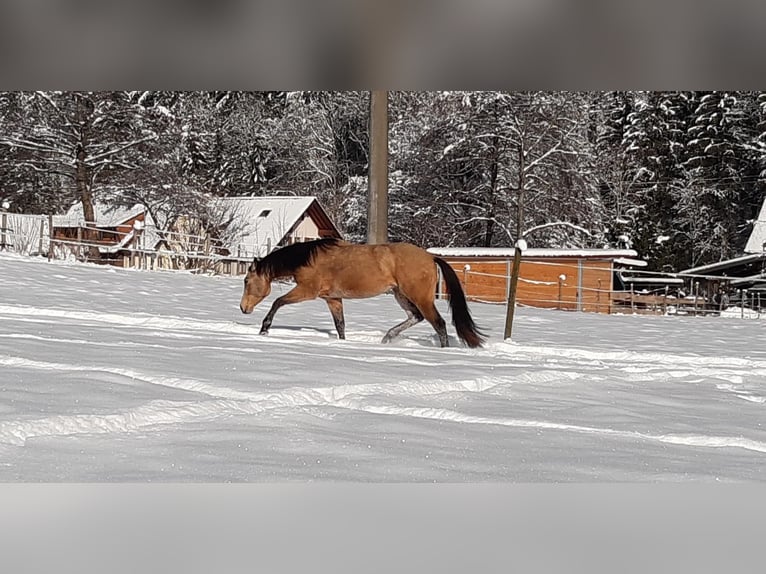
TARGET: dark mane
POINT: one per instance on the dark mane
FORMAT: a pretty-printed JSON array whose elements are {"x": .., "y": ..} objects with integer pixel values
[{"x": 287, "y": 260}]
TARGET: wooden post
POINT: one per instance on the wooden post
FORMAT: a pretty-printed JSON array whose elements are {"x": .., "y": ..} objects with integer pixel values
[
  {"x": 598, "y": 297},
  {"x": 743, "y": 294},
  {"x": 511, "y": 304},
  {"x": 42, "y": 231},
  {"x": 632, "y": 300},
  {"x": 562, "y": 278},
  {"x": 696, "y": 294},
  {"x": 665, "y": 302},
  {"x": 79, "y": 242},
  {"x": 207, "y": 264},
  {"x": 50, "y": 237},
  {"x": 3, "y": 227},
  {"x": 141, "y": 246}
]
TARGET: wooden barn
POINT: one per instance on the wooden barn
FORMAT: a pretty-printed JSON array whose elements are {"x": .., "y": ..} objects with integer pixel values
[
  {"x": 116, "y": 229},
  {"x": 571, "y": 279}
]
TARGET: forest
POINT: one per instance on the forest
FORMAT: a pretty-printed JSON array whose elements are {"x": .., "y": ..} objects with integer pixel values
[{"x": 677, "y": 176}]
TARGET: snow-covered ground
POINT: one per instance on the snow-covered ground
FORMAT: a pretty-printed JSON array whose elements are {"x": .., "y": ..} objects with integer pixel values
[{"x": 117, "y": 375}]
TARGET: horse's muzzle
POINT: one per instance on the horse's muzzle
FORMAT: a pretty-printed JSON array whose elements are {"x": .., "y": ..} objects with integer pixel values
[{"x": 244, "y": 310}]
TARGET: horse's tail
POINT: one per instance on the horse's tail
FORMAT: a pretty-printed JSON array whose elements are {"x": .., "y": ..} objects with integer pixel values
[{"x": 466, "y": 329}]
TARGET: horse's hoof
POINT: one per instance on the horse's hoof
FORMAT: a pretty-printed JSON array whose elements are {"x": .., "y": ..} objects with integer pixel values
[{"x": 263, "y": 333}]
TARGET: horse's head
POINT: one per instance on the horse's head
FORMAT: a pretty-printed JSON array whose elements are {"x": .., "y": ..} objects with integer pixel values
[{"x": 257, "y": 288}]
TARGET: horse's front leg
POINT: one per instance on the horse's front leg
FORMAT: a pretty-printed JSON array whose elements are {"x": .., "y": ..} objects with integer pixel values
[
  {"x": 336, "y": 310},
  {"x": 295, "y": 295}
]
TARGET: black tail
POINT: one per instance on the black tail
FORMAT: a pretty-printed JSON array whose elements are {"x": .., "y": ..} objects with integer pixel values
[{"x": 466, "y": 329}]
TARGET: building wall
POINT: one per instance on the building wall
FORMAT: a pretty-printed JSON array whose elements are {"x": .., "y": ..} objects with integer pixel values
[
  {"x": 306, "y": 230},
  {"x": 586, "y": 287}
]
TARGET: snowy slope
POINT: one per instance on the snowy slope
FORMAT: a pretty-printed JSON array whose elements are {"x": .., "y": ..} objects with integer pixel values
[{"x": 117, "y": 375}]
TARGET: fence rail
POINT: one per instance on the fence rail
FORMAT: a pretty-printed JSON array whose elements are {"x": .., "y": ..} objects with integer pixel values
[
  {"x": 600, "y": 299},
  {"x": 31, "y": 235}
]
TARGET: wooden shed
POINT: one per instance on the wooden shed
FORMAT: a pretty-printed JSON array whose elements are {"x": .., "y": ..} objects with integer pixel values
[
  {"x": 572, "y": 279},
  {"x": 113, "y": 232}
]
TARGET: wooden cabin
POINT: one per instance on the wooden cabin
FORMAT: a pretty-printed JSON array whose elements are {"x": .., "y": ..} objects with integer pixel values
[
  {"x": 258, "y": 225},
  {"x": 569, "y": 279},
  {"x": 114, "y": 230}
]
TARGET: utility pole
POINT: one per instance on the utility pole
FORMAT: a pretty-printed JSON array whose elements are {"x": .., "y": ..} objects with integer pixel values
[{"x": 377, "y": 206}]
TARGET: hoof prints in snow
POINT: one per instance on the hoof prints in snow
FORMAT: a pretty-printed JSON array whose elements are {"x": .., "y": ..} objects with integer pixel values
[{"x": 222, "y": 401}]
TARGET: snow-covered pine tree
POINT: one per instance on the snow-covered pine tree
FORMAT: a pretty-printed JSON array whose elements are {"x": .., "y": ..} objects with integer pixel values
[
  {"x": 722, "y": 178},
  {"x": 653, "y": 145}
]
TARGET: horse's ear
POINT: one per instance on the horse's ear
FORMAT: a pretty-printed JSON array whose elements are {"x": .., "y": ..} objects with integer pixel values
[{"x": 254, "y": 264}]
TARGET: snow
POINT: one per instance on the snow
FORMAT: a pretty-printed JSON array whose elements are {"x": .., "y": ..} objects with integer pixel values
[
  {"x": 107, "y": 215},
  {"x": 113, "y": 375},
  {"x": 530, "y": 253},
  {"x": 631, "y": 262}
]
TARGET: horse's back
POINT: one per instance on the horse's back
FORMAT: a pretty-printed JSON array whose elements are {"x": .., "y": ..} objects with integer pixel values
[
  {"x": 365, "y": 270},
  {"x": 351, "y": 270}
]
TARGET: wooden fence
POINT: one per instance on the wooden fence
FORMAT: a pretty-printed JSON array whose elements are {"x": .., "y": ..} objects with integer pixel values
[
  {"x": 574, "y": 286},
  {"x": 31, "y": 235}
]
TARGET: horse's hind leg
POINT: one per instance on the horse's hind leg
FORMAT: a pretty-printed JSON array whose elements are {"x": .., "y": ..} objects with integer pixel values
[
  {"x": 428, "y": 310},
  {"x": 336, "y": 310},
  {"x": 432, "y": 315},
  {"x": 413, "y": 316}
]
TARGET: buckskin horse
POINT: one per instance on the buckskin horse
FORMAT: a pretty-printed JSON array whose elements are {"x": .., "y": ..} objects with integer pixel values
[{"x": 334, "y": 270}]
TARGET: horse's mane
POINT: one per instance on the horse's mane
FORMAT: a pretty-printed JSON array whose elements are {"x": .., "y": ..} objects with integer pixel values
[{"x": 287, "y": 260}]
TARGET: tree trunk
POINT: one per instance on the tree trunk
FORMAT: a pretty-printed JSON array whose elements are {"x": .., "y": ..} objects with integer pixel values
[
  {"x": 86, "y": 197},
  {"x": 83, "y": 185},
  {"x": 493, "y": 169}
]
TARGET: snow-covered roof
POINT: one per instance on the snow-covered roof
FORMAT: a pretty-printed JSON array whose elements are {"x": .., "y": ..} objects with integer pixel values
[
  {"x": 755, "y": 243},
  {"x": 112, "y": 216},
  {"x": 106, "y": 215},
  {"x": 723, "y": 265},
  {"x": 531, "y": 253},
  {"x": 630, "y": 262},
  {"x": 262, "y": 222},
  {"x": 653, "y": 280},
  {"x": 757, "y": 278}
]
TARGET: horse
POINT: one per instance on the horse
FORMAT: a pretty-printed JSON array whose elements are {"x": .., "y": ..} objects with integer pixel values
[{"x": 334, "y": 270}]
